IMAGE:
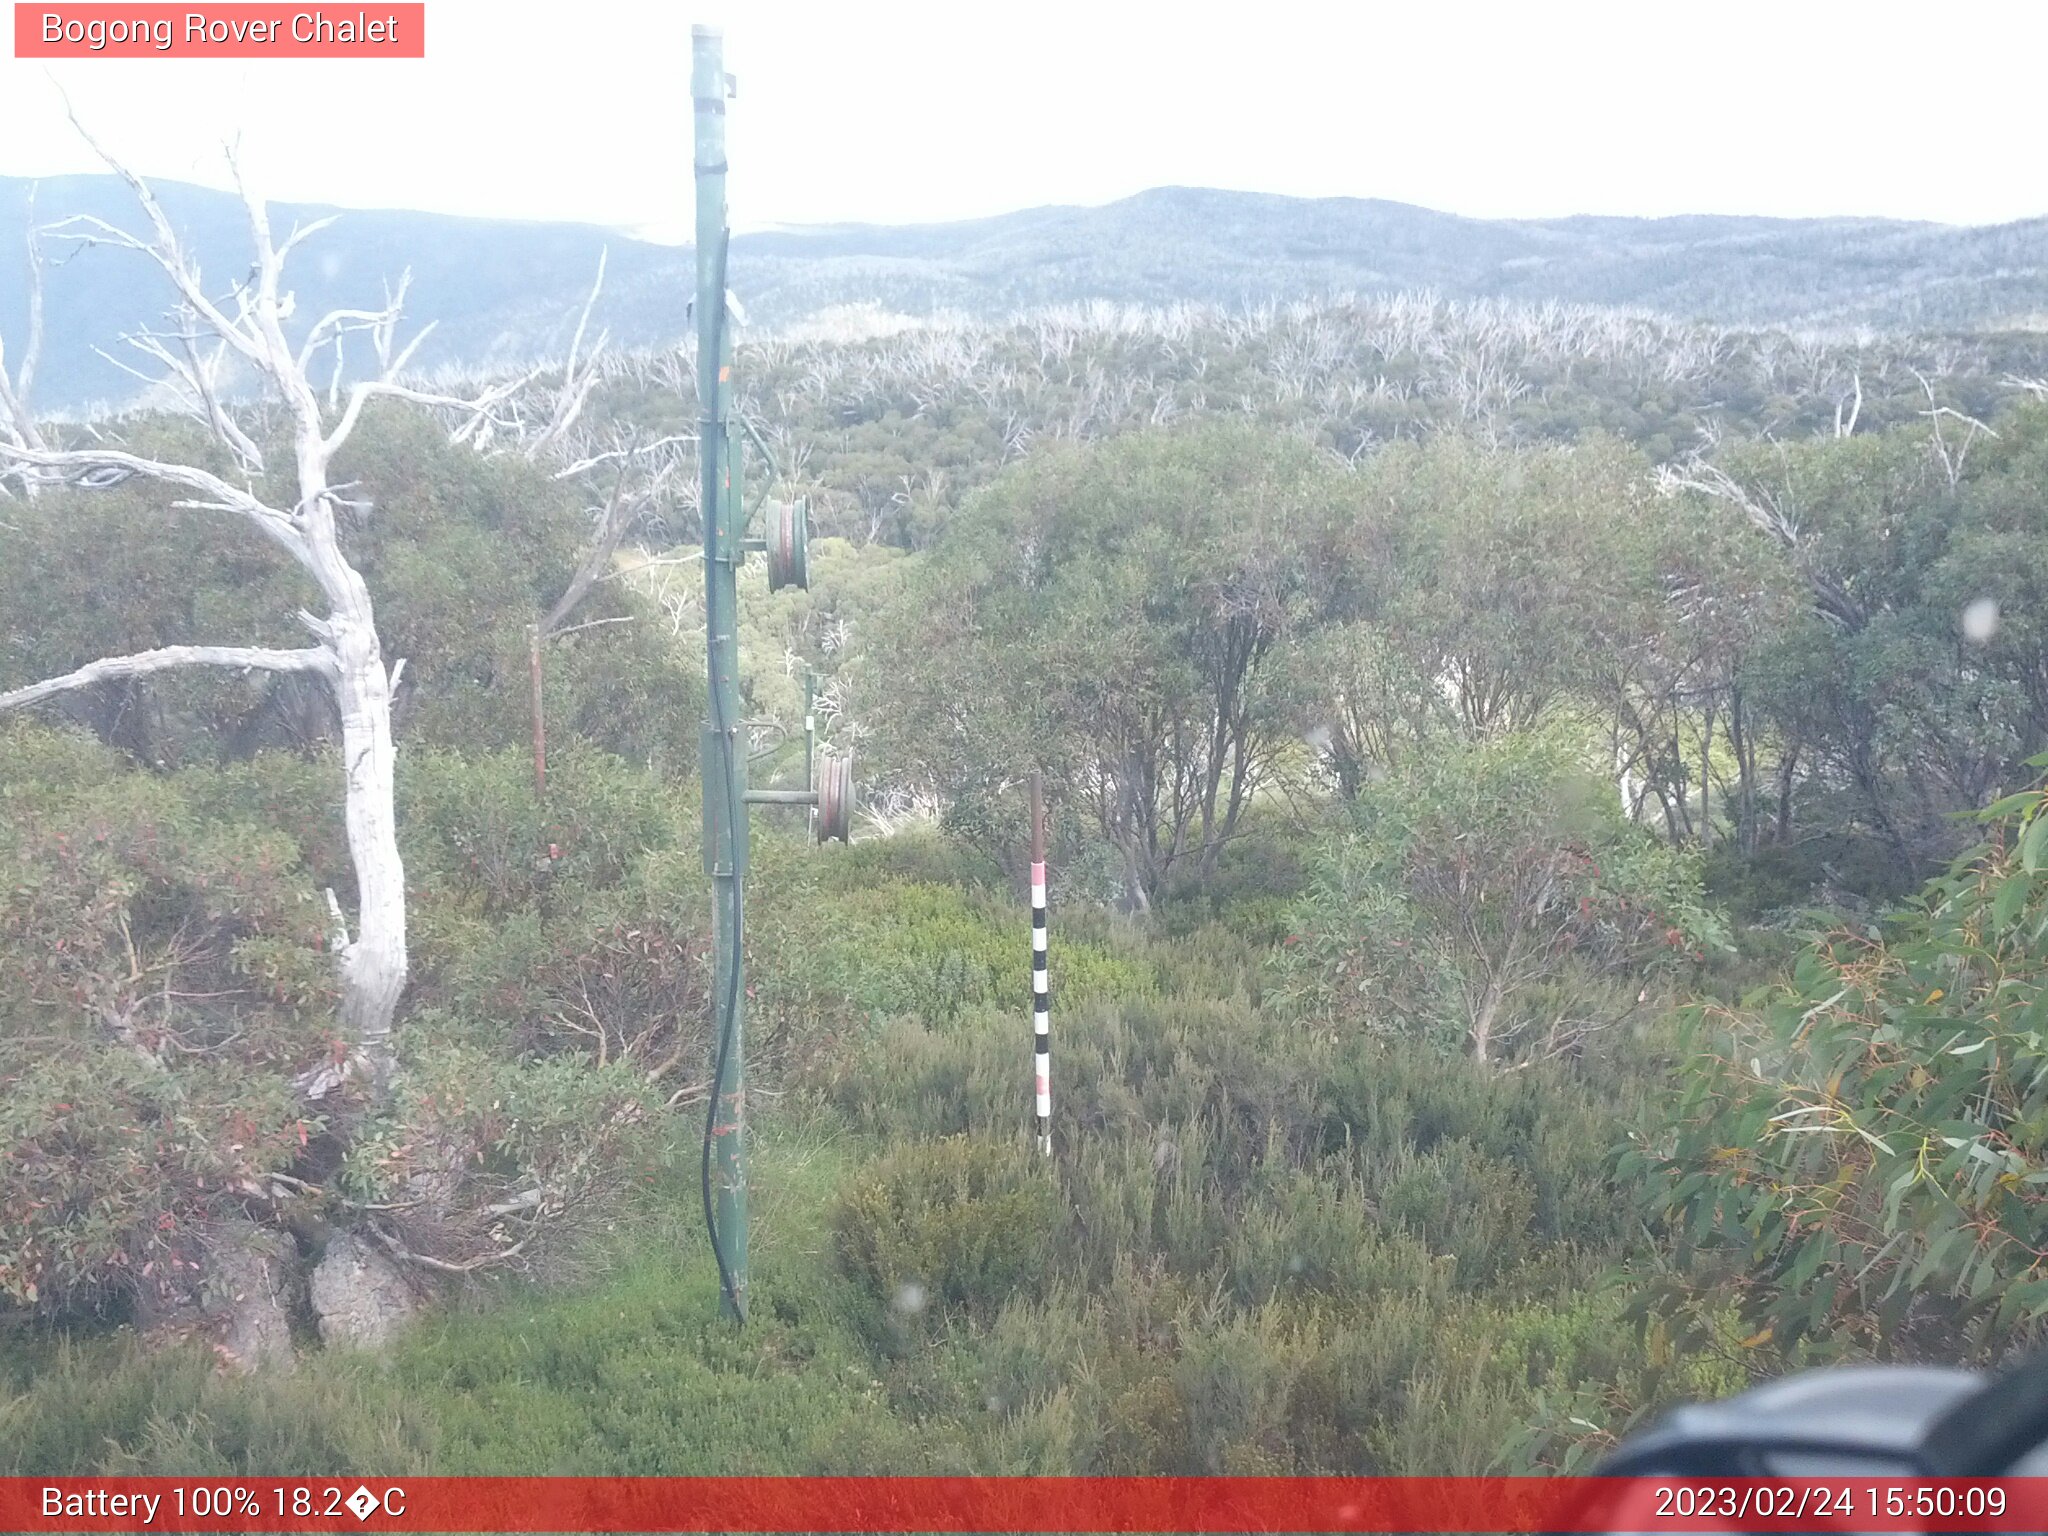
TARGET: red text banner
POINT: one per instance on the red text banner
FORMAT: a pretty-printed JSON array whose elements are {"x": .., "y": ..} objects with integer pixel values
[
  {"x": 229, "y": 31},
  {"x": 1024, "y": 1504}
]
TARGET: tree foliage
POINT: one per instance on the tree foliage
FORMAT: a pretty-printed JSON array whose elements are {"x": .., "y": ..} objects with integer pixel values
[
  {"x": 1868, "y": 1142},
  {"x": 1114, "y": 613},
  {"x": 1483, "y": 895},
  {"x": 463, "y": 553},
  {"x": 167, "y": 973}
]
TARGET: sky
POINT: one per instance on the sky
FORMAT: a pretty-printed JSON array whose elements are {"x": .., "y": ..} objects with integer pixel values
[{"x": 914, "y": 112}]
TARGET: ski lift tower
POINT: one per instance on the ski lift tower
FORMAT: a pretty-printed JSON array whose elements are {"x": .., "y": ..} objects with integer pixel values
[{"x": 722, "y": 754}]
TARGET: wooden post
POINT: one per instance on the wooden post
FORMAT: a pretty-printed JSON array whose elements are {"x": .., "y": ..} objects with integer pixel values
[
  {"x": 811, "y": 751},
  {"x": 540, "y": 728}
]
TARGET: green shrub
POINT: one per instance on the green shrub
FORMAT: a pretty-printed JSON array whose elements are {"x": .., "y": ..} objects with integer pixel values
[
  {"x": 479, "y": 1159},
  {"x": 1156, "y": 1376},
  {"x": 1863, "y": 1147},
  {"x": 167, "y": 974},
  {"x": 1460, "y": 1201},
  {"x": 463, "y": 553},
  {"x": 1472, "y": 877},
  {"x": 1259, "y": 874},
  {"x": 918, "y": 855},
  {"x": 575, "y": 924},
  {"x": 1554, "y": 1130},
  {"x": 301, "y": 797},
  {"x": 42, "y": 766},
  {"x": 618, "y": 974},
  {"x": 1828, "y": 867},
  {"x": 476, "y": 834},
  {"x": 959, "y": 1225},
  {"x": 913, "y": 947},
  {"x": 1322, "y": 1236}
]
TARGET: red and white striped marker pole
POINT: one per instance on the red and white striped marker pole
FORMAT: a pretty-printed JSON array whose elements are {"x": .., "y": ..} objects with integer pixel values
[{"x": 1041, "y": 995}]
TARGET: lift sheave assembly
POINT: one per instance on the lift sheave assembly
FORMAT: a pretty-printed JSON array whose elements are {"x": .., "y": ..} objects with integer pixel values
[{"x": 828, "y": 792}]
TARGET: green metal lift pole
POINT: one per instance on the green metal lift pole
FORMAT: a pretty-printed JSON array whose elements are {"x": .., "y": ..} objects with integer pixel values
[{"x": 723, "y": 761}]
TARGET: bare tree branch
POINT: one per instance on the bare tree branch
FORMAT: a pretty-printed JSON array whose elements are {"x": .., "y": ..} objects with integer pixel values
[
  {"x": 592, "y": 461},
  {"x": 337, "y": 923},
  {"x": 1763, "y": 510},
  {"x": 478, "y": 409},
  {"x": 315, "y": 659},
  {"x": 17, "y": 426},
  {"x": 304, "y": 232},
  {"x": 168, "y": 254},
  {"x": 1952, "y": 458},
  {"x": 382, "y": 325},
  {"x": 32, "y": 345},
  {"x": 1773, "y": 515},
  {"x": 576, "y": 387},
  {"x": 96, "y": 468},
  {"x": 194, "y": 381},
  {"x": 618, "y": 516}
]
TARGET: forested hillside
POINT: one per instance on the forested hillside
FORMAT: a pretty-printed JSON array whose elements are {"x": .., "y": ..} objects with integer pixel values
[
  {"x": 1547, "y": 901},
  {"x": 502, "y": 294}
]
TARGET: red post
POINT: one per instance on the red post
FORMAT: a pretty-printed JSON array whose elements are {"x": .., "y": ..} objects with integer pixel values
[{"x": 540, "y": 729}]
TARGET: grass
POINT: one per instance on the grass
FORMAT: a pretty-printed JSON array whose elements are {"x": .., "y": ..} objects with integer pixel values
[
  {"x": 1273, "y": 1248},
  {"x": 634, "y": 1374}
]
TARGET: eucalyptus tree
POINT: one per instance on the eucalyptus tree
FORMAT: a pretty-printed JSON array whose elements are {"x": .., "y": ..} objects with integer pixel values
[
  {"x": 1113, "y": 613},
  {"x": 1881, "y": 688},
  {"x": 1476, "y": 591}
]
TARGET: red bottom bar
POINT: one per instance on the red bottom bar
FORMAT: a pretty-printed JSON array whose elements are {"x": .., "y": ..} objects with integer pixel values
[{"x": 1024, "y": 1504}]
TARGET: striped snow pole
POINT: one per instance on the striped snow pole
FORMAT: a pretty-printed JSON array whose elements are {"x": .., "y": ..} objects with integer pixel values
[{"x": 1041, "y": 994}]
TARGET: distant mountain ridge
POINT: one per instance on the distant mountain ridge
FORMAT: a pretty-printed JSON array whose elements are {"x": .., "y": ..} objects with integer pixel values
[{"x": 503, "y": 292}]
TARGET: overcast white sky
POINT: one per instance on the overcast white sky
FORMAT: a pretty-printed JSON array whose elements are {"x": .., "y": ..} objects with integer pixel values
[{"x": 892, "y": 111}]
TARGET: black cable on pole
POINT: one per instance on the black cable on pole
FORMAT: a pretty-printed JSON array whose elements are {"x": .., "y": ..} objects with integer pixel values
[
  {"x": 725, "y": 1279},
  {"x": 734, "y": 807}
]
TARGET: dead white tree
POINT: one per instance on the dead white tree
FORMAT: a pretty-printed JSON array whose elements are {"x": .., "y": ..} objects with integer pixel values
[
  {"x": 641, "y": 480},
  {"x": 17, "y": 426},
  {"x": 1952, "y": 455},
  {"x": 248, "y": 325},
  {"x": 580, "y": 374},
  {"x": 1845, "y": 420},
  {"x": 1774, "y": 512}
]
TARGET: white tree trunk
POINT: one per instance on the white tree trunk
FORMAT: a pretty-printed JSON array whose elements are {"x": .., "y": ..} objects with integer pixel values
[
  {"x": 374, "y": 964},
  {"x": 373, "y": 971},
  {"x": 1480, "y": 1035},
  {"x": 1625, "y": 780}
]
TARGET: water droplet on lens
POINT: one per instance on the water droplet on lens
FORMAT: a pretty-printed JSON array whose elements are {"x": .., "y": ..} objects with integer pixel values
[{"x": 1980, "y": 620}]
